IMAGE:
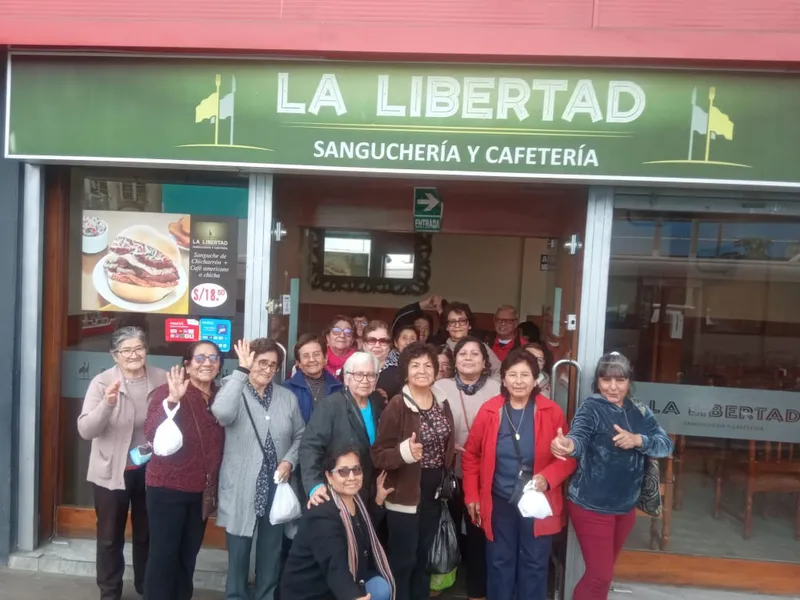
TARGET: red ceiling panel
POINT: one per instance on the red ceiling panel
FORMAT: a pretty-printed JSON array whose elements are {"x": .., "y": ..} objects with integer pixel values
[{"x": 663, "y": 31}]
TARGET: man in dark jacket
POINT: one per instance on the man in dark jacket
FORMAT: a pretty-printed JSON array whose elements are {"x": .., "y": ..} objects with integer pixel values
[{"x": 312, "y": 382}]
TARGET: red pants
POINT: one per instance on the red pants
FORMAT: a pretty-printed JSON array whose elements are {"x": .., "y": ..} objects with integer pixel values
[{"x": 601, "y": 538}]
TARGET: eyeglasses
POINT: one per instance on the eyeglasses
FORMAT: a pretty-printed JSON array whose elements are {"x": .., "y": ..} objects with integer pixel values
[
  {"x": 201, "y": 358},
  {"x": 344, "y": 472},
  {"x": 339, "y": 331},
  {"x": 359, "y": 376},
  {"x": 371, "y": 341},
  {"x": 505, "y": 321},
  {"x": 313, "y": 356},
  {"x": 457, "y": 322},
  {"x": 267, "y": 365},
  {"x": 362, "y": 322},
  {"x": 128, "y": 352}
]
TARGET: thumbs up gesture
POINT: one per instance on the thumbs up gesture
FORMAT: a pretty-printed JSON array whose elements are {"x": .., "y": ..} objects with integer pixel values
[
  {"x": 562, "y": 446},
  {"x": 415, "y": 446}
]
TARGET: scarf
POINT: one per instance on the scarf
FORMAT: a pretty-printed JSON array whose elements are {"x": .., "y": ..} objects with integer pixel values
[
  {"x": 391, "y": 360},
  {"x": 352, "y": 546},
  {"x": 470, "y": 389},
  {"x": 269, "y": 463},
  {"x": 336, "y": 362}
]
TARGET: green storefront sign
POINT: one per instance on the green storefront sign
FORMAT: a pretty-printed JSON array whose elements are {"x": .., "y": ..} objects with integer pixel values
[{"x": 581, "y": 124}]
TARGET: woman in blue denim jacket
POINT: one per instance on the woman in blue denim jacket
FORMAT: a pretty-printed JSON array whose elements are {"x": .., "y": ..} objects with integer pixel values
[{"x": 611, "y": 437}]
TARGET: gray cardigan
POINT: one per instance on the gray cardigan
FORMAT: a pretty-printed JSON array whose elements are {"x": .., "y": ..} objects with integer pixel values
[{"x": 242, "y": 456}]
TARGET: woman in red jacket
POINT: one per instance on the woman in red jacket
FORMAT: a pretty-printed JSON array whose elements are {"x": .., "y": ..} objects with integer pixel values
[{"x": 509, "y": 445}]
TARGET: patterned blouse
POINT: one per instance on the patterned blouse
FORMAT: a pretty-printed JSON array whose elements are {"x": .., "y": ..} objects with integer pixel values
[{"x": 434, "y": 440}]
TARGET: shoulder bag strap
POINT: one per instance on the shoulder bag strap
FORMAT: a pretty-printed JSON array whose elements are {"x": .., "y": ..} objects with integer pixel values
[
  {"x": 253, "y": 423},
  {"x": 202, "y": 448}
]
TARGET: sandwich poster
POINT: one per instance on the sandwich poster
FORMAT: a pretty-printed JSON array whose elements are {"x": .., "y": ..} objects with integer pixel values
[{"x": 164, "y": 263}]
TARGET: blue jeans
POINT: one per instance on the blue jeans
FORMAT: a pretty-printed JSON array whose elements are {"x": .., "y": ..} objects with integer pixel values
[
  {"x": 516, "y": 561},
  {"x": 378, "y": 588}
]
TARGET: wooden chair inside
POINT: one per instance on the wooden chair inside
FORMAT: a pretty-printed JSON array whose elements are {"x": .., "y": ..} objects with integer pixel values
[
  {"x": 660, "y": 526},
  {"x": 769, "y": 467}
]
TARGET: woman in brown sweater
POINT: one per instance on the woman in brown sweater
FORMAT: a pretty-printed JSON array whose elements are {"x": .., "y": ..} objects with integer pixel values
[
  {"x": 415, "y": 445},
  {"x": 175, "y": 483}
]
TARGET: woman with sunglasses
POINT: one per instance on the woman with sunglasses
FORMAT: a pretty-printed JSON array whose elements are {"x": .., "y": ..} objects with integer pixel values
[
  {"x": 336, "y": 553},
  {"x": 341, "y": 343},
  {"x": 263, "y": 428},
  {"x": 378, "y": 342},
  {"x": 346, "y": 418},
  {"x": 113, "y": 416},
  {"x": 175, "y": 483}
]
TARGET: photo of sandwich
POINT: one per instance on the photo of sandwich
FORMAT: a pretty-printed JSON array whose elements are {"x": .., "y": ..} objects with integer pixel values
[
  {"x": 143, "y": 266},
  {"x": 180, "y": 230}
]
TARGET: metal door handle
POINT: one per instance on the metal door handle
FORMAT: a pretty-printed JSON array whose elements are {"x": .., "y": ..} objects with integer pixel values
[{"x": 554, "y": 374}]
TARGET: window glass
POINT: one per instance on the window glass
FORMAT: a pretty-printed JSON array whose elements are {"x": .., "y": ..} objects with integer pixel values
[
  {"x": 706, "y": 307},
  {"x": 157, "y": 252}
]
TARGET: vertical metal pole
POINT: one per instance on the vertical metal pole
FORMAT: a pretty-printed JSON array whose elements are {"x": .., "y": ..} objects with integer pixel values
[
  {"x": 30, "y": 349},
  {"x": 591, "y": 333},
  {"x": 259, "y": 255},
  {"x": 294, "y": 295}
]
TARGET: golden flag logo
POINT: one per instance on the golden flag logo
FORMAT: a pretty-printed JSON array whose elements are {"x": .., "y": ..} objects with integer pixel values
[
  {"x": 720, "y": 124},
  {"x": 207, "y": 109}
]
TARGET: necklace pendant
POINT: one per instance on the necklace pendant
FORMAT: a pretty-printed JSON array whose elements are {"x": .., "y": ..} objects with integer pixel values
[{"x": 516, "y": 435}]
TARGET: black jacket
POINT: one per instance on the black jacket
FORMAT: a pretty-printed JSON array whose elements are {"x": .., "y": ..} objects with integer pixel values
[
  {"x": 317, "y": 567},
  {"x": 391, "y": 381},
  {"x": 337, "y": 422}
]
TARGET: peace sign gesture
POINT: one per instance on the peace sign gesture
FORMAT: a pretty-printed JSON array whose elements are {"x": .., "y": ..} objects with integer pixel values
[
  {"x": 177, "y": 382},
  {"x": 246, "y": 357}
]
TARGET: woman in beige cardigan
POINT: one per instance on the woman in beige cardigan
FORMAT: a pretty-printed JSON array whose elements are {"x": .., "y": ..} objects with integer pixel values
[{"x": 113, "y": 416}]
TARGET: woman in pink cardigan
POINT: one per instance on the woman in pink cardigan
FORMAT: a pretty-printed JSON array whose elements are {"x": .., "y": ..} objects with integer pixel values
[{"x": 113, "y": 417}]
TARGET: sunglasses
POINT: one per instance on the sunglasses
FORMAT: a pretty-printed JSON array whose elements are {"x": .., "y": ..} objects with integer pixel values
[
  {"x": 371, "y": 341},
  {"x": 201, "y": 358},
  {"x": 339, "y": 331},
  {"x": 344, "y": 472}
]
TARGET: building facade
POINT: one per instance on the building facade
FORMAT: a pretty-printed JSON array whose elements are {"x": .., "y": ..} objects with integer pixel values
[{"x": 645, "y": 203}]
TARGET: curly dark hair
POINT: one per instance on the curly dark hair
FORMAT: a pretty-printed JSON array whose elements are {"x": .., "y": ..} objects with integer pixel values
[
  {"x": 487, "y": 366},
  {"x": 514, "y": 358},
  {"x": 261, "y": 346},
  {"x": 417, "y": 350}
]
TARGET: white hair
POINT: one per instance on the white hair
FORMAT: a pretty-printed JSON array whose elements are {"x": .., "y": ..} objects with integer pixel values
[{"x": 360, "y": 358}]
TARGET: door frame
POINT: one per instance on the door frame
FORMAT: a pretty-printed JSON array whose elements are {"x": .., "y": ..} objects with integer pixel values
[{"x": 591, "y": 327}]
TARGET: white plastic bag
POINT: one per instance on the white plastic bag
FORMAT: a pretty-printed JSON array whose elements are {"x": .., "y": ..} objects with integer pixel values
[
  {"x": 285, "y": 505},
  {"x": 168, "y": 439},
  {"x": 534, "y": 504}
]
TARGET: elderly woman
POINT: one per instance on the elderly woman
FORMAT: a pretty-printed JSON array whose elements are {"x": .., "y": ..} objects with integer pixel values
[
  {"x": 263, "y": 428},
  {"x": 113, "y": 416},
  {"x": 378, "y": 342},
  {"x": 445, "y": 357},
  {"x": 346, "y": 418},
  {"x": 360, "y": 322},
  {"x": 508, "y": 446},
  {"x": 390, "y": 381},
  {"x": 176, "y": 483},
  {"x": 336, "y": 554},
  {"x": 458, "y": 320},
  {"x": 341, "y": 343},
  {"x": 415, "y": 446},
  {"x": 612, "y": 437},
  {"x": 467, "y": 391},
  {"x": 545, "y": 362}
]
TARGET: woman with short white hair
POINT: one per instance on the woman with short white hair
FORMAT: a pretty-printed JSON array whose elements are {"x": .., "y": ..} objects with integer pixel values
[{"x": 346, "y": 418}]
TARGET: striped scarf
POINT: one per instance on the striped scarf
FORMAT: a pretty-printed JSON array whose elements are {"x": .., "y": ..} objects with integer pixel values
[{"x": 352, "y": 545}]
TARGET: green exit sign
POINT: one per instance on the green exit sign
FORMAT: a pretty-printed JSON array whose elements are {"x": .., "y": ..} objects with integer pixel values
[{"x": 428, "y": 207}]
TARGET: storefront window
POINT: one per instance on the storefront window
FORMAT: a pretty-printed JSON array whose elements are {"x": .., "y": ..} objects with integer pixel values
[
  {"x": 707, "y": 307},
  {"x": 157, "y": 252}
]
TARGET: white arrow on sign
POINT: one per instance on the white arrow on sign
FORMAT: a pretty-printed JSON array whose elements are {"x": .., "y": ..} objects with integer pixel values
[{"x": 429, "y": 202}]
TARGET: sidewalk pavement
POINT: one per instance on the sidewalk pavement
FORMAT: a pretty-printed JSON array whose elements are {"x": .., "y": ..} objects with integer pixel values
[{"x": 26, "y": 585}]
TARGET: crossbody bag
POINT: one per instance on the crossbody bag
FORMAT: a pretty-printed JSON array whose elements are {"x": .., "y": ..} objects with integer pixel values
[
  {"x": 448, "y": 488},
  {"x": 209, "y": 506}
]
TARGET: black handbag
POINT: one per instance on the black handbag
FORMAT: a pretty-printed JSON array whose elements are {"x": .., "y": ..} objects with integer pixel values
[
  {"x": 650, "y": 501},
  {"x": 448, "y": 488},
  {"x": 524, "y": 473}
]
